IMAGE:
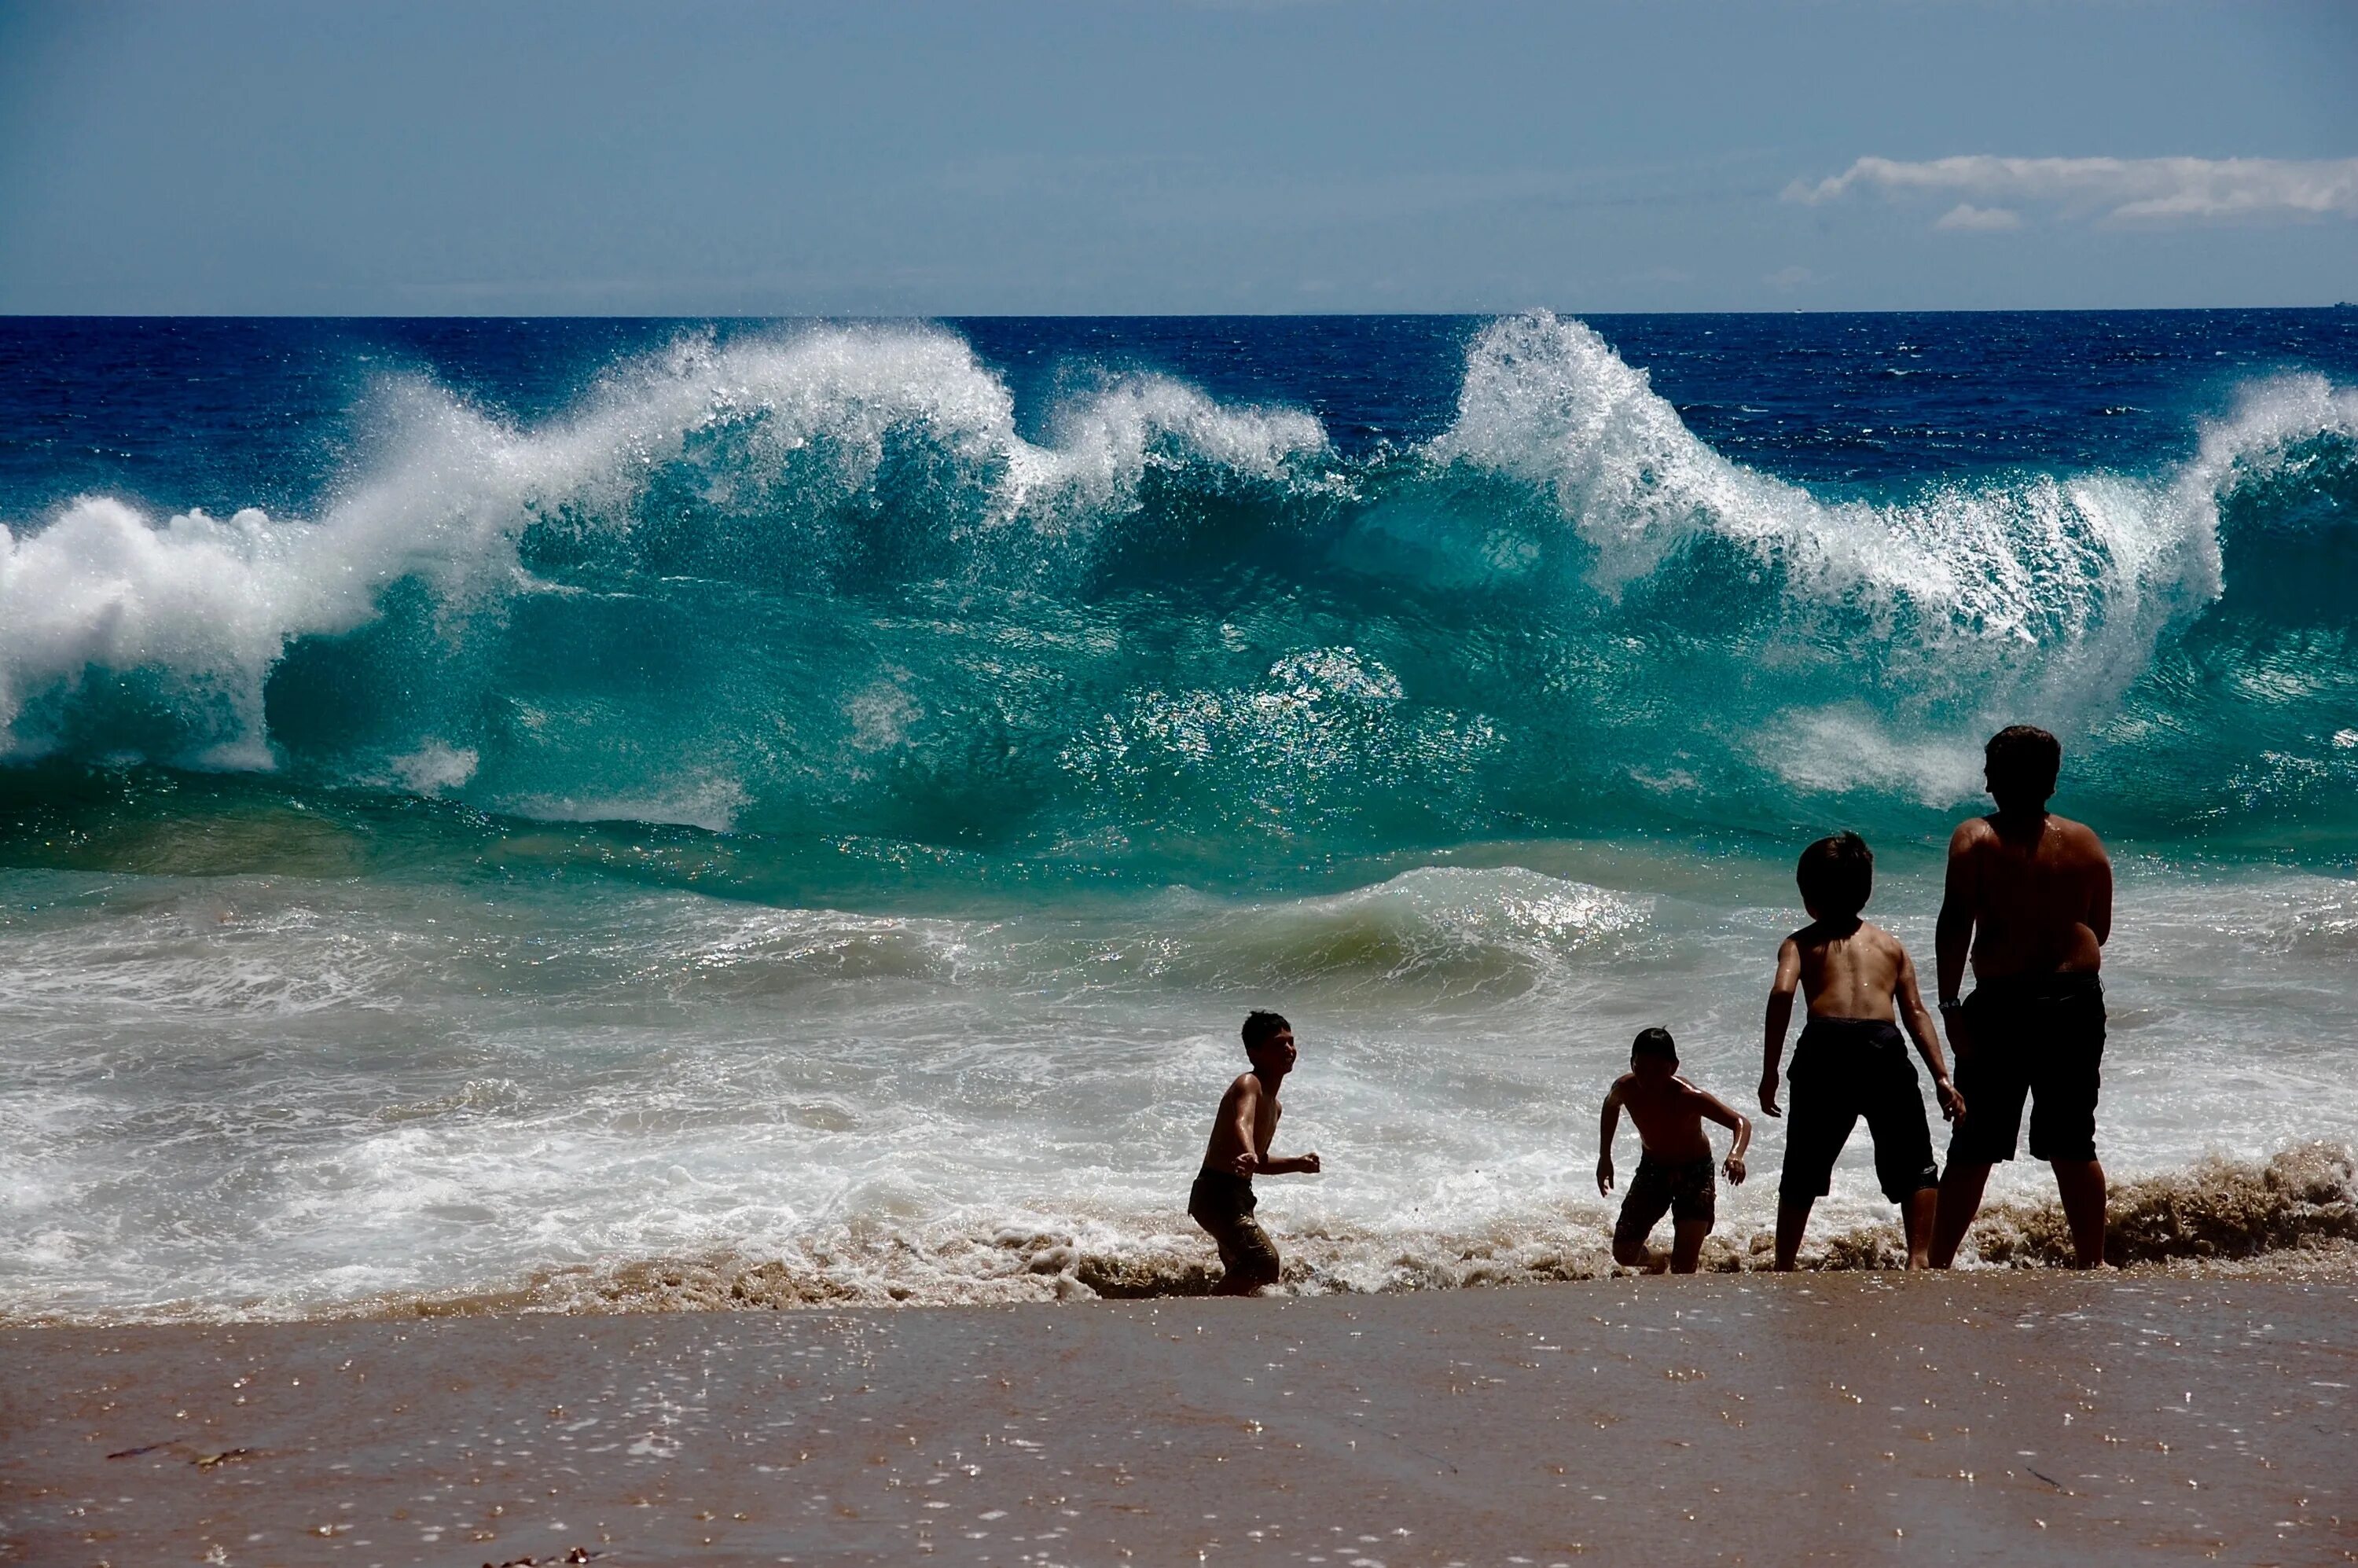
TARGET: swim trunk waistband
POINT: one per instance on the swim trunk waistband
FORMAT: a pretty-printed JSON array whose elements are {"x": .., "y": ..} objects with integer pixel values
[
  {"x": 2063, "y": 986},
  {"x": 1854, "y": 1030}
]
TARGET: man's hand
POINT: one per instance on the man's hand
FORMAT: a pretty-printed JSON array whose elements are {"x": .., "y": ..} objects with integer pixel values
[
  {"x": 1734, "y": 1166},
  {"x": 1604, "y": 1176},
  {"x": 1246, "y": 1164},
  {"x": 1307, "y": 1163},
  {"x": 1769, "y": 1095},
  {"x": 1953, "y": 1104},
  {"x": 1961, "y": 1039}
]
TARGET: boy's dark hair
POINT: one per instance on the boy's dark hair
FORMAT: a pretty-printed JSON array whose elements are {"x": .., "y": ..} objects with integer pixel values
[
  {"x": 1655, "y": 1042},
  {"x": 2023, "y": 760},
  {"x": 1836, "y": 876},
  {"x": 1261, "y": 1025}
]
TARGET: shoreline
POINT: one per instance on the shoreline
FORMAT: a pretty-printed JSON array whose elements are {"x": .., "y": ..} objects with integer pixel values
[
  {"x": 2292, "y": 1216},
  {"x": 2036, "y": 1416}
]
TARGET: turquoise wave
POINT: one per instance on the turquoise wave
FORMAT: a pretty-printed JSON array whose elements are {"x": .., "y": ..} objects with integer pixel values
[{"x": 811, "y": 607}]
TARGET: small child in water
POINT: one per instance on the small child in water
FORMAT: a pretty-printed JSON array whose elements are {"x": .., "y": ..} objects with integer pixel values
[
  {"x": 1851, "y": 1061},
  {"x": 1674, "y": 1156},
  {"x": 1223, "y": 1201}
]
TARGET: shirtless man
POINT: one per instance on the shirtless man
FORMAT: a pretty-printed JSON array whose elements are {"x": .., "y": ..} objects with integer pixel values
[
  {"x": 1222, "y": 1201},
  {"x": 2030, "y": 896}
]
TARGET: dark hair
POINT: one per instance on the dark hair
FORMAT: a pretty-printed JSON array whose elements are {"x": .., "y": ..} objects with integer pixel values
[
  {"x": 1655, "y": 1042},
  {"x": 2023, "y": 760},
  {"x": 1261, "y": 1026},
  {"x": 1836, "y": 876}
]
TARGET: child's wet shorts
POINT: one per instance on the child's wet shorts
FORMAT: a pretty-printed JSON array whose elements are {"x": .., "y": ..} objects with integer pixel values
[
  {"x": 1845, "y": 1068},
  {"x": 1683, "y": 1187},
  {"x": 1222, "y": 1202},
  {"x": 2041, "y": 1036}
]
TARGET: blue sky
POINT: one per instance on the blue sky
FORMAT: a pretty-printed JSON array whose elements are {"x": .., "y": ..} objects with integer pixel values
[{"x": 1354, "y": 154}]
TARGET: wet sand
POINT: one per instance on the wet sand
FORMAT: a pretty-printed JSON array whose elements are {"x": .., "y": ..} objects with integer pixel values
[{"x": 2026, "y": 1418}]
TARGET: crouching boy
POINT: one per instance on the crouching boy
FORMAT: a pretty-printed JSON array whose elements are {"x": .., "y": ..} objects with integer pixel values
[{"x": 1674, "y": 1156}]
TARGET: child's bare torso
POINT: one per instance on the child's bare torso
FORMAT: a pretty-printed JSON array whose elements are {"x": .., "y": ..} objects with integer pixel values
[
  {"x": 1259, "y": 1103},
  {"x": 1669, "y": 1117},
  {"x": 1850, "y": 974}
]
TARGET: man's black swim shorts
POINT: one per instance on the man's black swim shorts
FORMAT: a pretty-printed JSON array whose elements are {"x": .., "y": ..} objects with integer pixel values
[{"x": 2037, "y": 1035}]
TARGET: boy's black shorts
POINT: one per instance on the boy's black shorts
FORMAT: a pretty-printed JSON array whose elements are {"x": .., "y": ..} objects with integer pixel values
[
  {"x": 1845, "y": 1068},
  {"x": 1684, "y": 1188},
  {"x": 2041, "y": 1036},
  {"x": 1223, "y": 1203}
]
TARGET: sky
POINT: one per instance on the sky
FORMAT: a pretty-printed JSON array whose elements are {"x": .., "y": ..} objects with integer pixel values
[{"x": 704, "y": 158}]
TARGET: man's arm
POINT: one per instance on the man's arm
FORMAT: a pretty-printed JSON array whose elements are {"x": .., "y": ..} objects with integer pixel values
[
  {"x": 1953, "y": 937},
  {"x": 1612, "y": 1124},
  {"x": 1927, "y": 1039},
  {"x": 1780, "y": 1019},
  {"x": 2100, "y": 892}
]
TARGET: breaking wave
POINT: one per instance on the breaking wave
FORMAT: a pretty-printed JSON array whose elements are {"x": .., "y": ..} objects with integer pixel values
[{"x": 821, "y": 586}]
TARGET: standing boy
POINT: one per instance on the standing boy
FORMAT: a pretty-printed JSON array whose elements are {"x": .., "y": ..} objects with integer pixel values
[
  {"x": 1223, "y": 1201},
  {"x": 1851, "y": 1061},
  {"x": 1674, "y": 1156}
]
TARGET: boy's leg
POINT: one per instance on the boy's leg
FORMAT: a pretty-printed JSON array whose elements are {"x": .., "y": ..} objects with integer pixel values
[
  {"x": 1918, "y": 1216},
  {"x": 1694, "y": 1209},
  {"x": 1792, "y": 1220},
  {"x": 1647, "y": 1199},
  {"x": 2081, "y": 1183},
  {"x": 1248, "y": 1257},
  {"x": 1819, "y": 1122},
  {"x": 1959, "y": 1201}
]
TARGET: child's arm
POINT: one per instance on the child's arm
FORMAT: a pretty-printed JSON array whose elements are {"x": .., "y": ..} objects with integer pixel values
[
  {"x": 1604, "y": 1140},
  {"x": 1727, "y": 1115},
  {"x": 1291, "y": 1165},
  {"x": 1913, "y": 1013},
  {"x": 1243, "y": 1108},
  {"x": 1781, "y": 1018}
]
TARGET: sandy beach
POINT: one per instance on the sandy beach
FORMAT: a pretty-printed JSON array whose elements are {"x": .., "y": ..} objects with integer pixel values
[{"x": 2021, "y": 1417}]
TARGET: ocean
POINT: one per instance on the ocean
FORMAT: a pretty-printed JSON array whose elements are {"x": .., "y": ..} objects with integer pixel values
[{"x": 580, "y": 814}]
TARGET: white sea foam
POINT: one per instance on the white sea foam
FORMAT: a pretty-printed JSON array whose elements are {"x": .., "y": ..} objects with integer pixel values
[{"x": 250, "y": 1095}]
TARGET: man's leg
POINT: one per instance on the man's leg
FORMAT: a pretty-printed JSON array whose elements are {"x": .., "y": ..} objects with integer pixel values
[
  {"x": 1686, "y": 1244},
  {"x": 2081, "y": 1184},
  {"x": 1959, "y": 1201},
  {"x": 1792, "y": 1220},
  {"x": 1917, "y": 1217}
]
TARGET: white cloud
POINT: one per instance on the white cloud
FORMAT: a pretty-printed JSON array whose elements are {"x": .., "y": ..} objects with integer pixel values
[
  {"x": 1965, "y": 215},
  {"x": 2121, "y": 190}
]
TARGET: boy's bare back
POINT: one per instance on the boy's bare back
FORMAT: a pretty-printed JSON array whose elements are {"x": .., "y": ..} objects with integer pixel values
[
  {"x": 2040, "y": 893},
  {"x": 1853, "y": 974}
]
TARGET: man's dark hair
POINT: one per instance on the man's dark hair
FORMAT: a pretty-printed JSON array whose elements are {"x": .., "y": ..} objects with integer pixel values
[
  {"x": 2023, "y": 760},
  {"x": 1261, "y": 1026},
  {"x": 1655, "y": 1042},
  {"x": 1836, "y": 875}
]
